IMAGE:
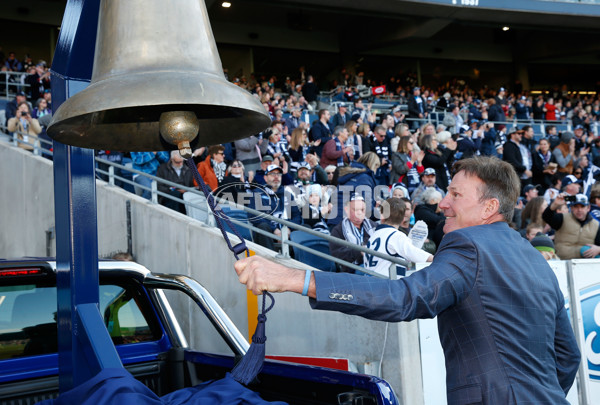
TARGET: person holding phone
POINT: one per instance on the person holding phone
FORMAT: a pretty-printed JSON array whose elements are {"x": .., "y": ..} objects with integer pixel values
[{"x": 25, "y": 126}]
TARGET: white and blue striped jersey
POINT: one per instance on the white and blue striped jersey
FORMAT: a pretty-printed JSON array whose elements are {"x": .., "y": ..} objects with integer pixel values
[{"x": 389, "y": 240}]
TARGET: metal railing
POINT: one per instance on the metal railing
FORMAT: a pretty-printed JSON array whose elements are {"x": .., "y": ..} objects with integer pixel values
[
  {"x": 12, "y": 82},
  {"x": 287, "y": 226}
]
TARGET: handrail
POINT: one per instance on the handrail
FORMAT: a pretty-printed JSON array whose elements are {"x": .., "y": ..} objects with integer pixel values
[
  {"x": 285, "y": 223},
  {"x": 6, "y": 83}
]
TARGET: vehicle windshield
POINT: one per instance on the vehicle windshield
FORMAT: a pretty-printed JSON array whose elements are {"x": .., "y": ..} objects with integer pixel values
[{"x": 28, "y": 318}]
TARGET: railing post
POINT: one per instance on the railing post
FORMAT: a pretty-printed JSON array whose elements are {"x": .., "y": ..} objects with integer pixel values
[
  {"x": 154, "y": 188},
  {"x": 285, "y": 248},
  {"x": 111, "y": 175}
]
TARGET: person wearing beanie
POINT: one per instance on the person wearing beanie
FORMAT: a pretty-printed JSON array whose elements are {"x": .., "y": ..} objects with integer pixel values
[
  {"x": 545, "y": 246},
  {"x": 564, "y": 153}
]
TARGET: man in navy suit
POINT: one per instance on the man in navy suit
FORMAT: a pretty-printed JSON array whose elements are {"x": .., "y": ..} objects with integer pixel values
[{"x": 501, "y": 315}]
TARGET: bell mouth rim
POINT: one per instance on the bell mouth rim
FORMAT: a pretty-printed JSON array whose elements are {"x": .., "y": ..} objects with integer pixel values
[{"x": 180, "y": 88}]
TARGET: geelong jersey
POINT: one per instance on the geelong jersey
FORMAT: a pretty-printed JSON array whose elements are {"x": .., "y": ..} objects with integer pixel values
[{"x": 387, "y": 239}]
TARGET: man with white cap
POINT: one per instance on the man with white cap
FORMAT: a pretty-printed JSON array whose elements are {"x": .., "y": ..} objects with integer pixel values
[{"x": 427, "y": 181}]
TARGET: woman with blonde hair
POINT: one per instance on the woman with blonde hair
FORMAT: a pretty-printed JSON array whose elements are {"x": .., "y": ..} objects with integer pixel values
[
  {"x": 407, "y": 164},
  {"x": 400, "y": 131},
  {"x": 354, "y": 140},
  {"x": 298, "y": 145}
]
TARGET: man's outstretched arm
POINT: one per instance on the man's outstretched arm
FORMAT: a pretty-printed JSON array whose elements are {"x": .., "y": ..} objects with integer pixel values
[{"x": 260, "y": 274}]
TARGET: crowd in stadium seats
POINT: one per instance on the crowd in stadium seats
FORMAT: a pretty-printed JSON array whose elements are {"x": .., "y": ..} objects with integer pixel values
[{"x": 322, "y": 153}]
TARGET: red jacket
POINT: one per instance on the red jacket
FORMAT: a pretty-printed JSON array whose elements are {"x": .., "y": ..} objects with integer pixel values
[{"x": 208, "y": 174}]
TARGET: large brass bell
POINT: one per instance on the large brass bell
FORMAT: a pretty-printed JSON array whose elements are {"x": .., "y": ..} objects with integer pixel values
[{"x": 156, "y": 72}]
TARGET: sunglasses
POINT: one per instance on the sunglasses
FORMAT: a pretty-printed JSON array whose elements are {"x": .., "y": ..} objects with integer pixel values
[
  {"x": 220, "y": 153},
  {"x": 577, "y": 172},
  {"x": 236, "y": 165}
]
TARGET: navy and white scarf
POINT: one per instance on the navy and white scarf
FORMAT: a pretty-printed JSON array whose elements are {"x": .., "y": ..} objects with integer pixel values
[{"x": 338, "y": 147}]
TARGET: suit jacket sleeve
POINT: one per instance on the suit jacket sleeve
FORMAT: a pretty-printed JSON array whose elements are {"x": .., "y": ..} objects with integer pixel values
[{"x": 424, "y": 294}]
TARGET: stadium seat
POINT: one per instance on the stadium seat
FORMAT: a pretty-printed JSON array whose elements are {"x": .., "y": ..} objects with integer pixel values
[
  {"x": 238, "y": 215},
  {"x": 313, "y": 242},
  {"x": 199, "y": 210}
]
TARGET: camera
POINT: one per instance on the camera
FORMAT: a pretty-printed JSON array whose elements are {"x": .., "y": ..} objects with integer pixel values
[
  {"x": 570, "y": 198},
  {"x": 24, "y": 113}
]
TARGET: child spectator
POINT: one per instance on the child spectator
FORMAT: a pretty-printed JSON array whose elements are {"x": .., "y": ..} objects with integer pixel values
[
  {"x": 312, "y": 215},
  {"x": 388, "y": 239},
  {"x": 545, "y": 246}
]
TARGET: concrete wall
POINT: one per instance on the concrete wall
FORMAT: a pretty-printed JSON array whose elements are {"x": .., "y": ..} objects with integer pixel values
[{"x": 169, "y": 242}]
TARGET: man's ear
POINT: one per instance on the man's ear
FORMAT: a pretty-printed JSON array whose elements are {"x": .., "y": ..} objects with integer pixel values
[{"x": 492, "y": 206}]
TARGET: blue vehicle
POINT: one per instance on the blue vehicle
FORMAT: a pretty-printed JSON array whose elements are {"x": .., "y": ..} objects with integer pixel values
[{"x": 150, "y": 343}]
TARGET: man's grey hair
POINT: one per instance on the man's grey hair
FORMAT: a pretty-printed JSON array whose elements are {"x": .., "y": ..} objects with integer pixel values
[
  {"x": 175, "y": 153},
  {"x": 430, "y": 194},
  {"x": 338, "y": 130}
]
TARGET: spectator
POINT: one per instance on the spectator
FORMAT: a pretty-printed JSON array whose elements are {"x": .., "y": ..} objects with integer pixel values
[
  {"x": 416, "y": 108},
  {"x": 41, "y": 109},
  {"x": 439, "y": 159},
  {"x": 236, "y": 183},
  {"x": 428, "y": 181},
  {"x": 495, "y": 113},
  {"x": 518, "y": 156},
  {"x": 174, "y": 171},
  {"x": 310, "y": 92},
  {"x": 428, "y": 210},
  {"x": 545, "y": 246},
  {"x": 575, "y": 230},
  {"x": 354, "y": 140},
  {"x": 358, "y": 177},
  {"x": 335, "y": 151},
  {"x": 293, "y": 121},
  {"x": 530, "y": 192},
  {"x": 398, "y": 190},
  {"x": 406, "y": 164},
  {"x": 249, "y": 151},
  {"x": 341, "y": 117},
  {"x": 330, "y": 172},
  {"x": 38, "y": 81},
  {"x": 26, "y": 127},
  {"x": 11, "y": 106},
  {"x": 320, "y": 132},
  {"x": 595, "y": 203},
  {"x": 298, "y": 146},
  {"x": 544, "y": 165},
  {"x": 532, "y": 230},
  {"x": 554, "y": 190},
  {"x": 387, "y": 239},
  {"x": 275, "y": 201},
  {"x": 213, "y": 168},
  {"x": 550, "y": 110},
  {"x": 355, "y": 228},
  {"x": 12, "y": 63},
  {"x": 379, "y": 144},
  {"x": 409, "y": 218},
  {"x": 317, "y": 207},
  {"x": 148, "y": 163},
  {"x": 532, "y": 214},
  {"x": 523, "y": 109},
  {"x": 564, "y": 153}
]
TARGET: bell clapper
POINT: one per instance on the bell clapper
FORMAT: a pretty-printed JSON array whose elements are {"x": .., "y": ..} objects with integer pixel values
[{"x": 179, "y": 128}]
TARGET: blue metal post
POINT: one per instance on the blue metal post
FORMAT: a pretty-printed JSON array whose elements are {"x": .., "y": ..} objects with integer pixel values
[{"x": 84, "y": 345}]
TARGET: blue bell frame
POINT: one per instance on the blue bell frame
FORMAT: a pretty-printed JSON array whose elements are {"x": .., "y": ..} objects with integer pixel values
[{"x": 84, "y": 345}]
